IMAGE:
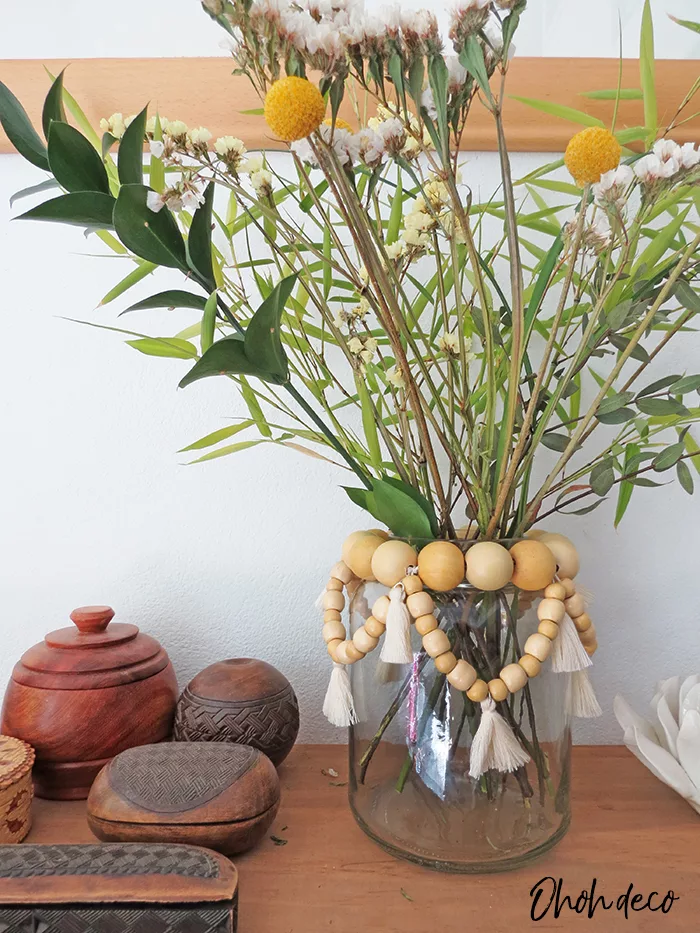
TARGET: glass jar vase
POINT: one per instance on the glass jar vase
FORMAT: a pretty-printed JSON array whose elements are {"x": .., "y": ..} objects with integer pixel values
[{"x": 410, "y": 788}]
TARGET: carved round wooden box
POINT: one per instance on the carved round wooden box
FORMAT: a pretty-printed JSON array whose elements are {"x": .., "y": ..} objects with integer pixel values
[
  {"x": 16, "y": 793},
  {"x": 85, "y": 694},
  {"x": 243, "y": 701},
  {"x": 220, "y": 796}
]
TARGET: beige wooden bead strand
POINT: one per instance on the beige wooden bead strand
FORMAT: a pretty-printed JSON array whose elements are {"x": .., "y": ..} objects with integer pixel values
[
  {"x": 497, "y": 689},
  {"x": 332, "y": 631},
  {"x": 575, "y": 605},
  {"x": 555, "y": 591},
  {"x": 332, "y": 647},
  {"x": 420, "y": 604},
  {"x": 462, "y": 676},
  {"x": 412, "y": 584},
  {"x": 331, "y": 615},
  {"x": 552, "y": 609},
  {"x": 589, "y": 636},
  {"x": 514, "y": 677},
  {"x": 363, "y": 641},
  {"x": 333, "y": 600},
  {"x": 380, "y": 609},
  {"x": 530, "y": 664},
  {"x": 446, "y": 662},
  {"x": 548, "y": 628},
  {"x": 478, "y": 691},
  {"x": 569, "y": 586},
  {"x": 538, "y": 645},
  {"x": 374, "y": 627},
  {"x": 436, "y": 643},
  {"x": 353, "y": 652},
  {"x": 342, "y": 572},
  {"x": 582, "y": 622},
  {"x": 334, "y": 584},
  {"x": 425, "y": 624}
]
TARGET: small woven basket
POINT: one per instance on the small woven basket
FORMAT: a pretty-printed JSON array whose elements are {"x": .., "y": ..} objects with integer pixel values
[{"x": 16, "y": 791}]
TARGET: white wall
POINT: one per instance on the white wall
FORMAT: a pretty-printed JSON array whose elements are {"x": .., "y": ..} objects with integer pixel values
[{"x": 226, "y": 558}]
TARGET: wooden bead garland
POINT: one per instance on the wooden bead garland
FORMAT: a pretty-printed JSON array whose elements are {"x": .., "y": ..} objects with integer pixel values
[{"x": 560, "y": 612}]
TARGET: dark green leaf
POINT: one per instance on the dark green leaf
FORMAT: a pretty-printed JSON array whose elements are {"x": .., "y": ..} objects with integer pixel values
[
  {"x": 130, "y": 155},
  {"x": 661, "y": 406},
  {"x": 687, "y": 296},
  {"x": 618, "y": 416},
  {"x": 263, "y": 345},
  {"x": 53, "y": 105},
  {"x": 643, "y": 481},
  {"x": 199, "y": 240},
  {"x": 543, "y": 278},
  {"x": 685, "y": 477},
  {"x": 170, "y": 299},
  {"x": 33, "y": 189},
  {"x": 586, "y": 509},
  {"x": 685, "y": 385},
  {"x": 438, "y": 77},
  {"x": 669, "y": 457},
  {"x": 361, "y": 497},
  {"x": 152, "y": 236},
  {"x": 613, "y": 402},
  {"x": 74, "y": 161},
  {"x": 619, "y": 314},
  {"x": 399, "y": 511},
  {"x": 658, "y": 385},
  {"x": 621, "y": 343},
  {"x": 472, "y": 57},
  {"x": 20, "y": 131},
  {"x": 81, "y": 209},
  {"x": 107, "y": 142},
  {"x": 603, "y": 477},
  {"x": 553, "y": 441},
  {"x": 624, "y": 495},
  {"x": 418, "y": 497},
  {"x": 225, "y": 357}
]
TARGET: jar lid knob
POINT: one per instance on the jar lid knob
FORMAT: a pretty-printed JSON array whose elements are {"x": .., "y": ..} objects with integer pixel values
[{"x": 92, "y": 619}]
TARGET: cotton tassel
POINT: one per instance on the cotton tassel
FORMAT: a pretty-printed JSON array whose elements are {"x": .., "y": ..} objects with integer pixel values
[
  {"x": 396, "y": 648},
  {"x": 580, "y": 697},
  {"x": 318, "y": 604},
  {"x": 495, "y": 747},
  {"x": 338, "y": 706},
  {"x": 568, "y": 654},
  {"x": 386, "y": 673}
]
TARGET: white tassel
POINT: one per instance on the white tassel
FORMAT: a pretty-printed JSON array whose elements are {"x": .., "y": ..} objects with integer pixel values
[
  {"x": 580, "y": 697},
  {"x": 396, "y": 648},
  {"x": 318, "y": 604},
  {"x": 568, "y": 654},
  {"x": 338, "y": 706},
  {"x": 386, "y": 673},
  {"x": 495, "y": 747}
]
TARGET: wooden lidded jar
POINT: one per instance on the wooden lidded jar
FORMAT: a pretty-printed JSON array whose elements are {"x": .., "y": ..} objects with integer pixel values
[{"x": 85, "y": 694}]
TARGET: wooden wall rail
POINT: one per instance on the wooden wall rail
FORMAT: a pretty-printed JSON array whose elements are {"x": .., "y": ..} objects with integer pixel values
[{"x": 202, "y": 91}]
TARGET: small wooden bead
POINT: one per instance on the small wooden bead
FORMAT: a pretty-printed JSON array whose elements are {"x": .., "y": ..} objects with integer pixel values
[
  {"x": 380, "y": 609},
  {"x": 498, "y": 690},
  {"x": 436, "y": 642},
  {"x": 569, "y": 586},
  {"x": 555, "y": 591},
  {"x": 446, "y": 662},
  {"x": 359, "y": 558},
  {"x": 333, "y": 646},
  {"x": 589, "y": 636},
  {"x": 530, "y": 665},
  {"x": 575, "y": 605},
  {"x": 391, "y": 560},
  {"x": 583, "y": 622},
  {"x": 341, "y": 653},
  {"x": 478, "y": 692},
  {"x": 539, "y": 646},
  {"x": 514, "y": 677},
  {"x": 353, "y": 652},
  {"x": 412, "y": 584},
  {"x": 333, "y": 601},
  {"x": 374, "y": 627},
  {"x": 336, "y": 585},
  {"x": 331, "y": 615},
  {"x": 552, "y": 609},
  {"x": 333, "y": 630},
  {"x": 591, "y": 649},
  {"x": 462, "y": 676},
  {"x": 341, "y": 572},
  {"x": 420, "y": 604},
  {"x": 534, "y": 565},
  {"x": 489, "y": 566},
  {"x": 441, "y": 566},
  {"x": 425, "y": 624},
  {"x": 363, "y": 641},
  {"x": 548, "y": 628}
]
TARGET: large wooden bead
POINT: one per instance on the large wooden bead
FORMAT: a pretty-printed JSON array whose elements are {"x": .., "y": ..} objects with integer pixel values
[
  {"x": 380, "y": 609},
  {"x": 530, "y": 665},
  {"x": 331, "y": 615},
  {"x": 374, "y": 627},
  {"x": 583, "y": 622},
  {"x": 412, "y": 584},
  {"x": 555, "y": 591},
  {"x": 425, "y": 624},
  {"x": 333, "y": 630},
  {"x": 350, "y": 542},
  {"x": 446, "y": 662},
  {"x": 489, "y": 565},
  {"x": 391, "y": 560},
  {"x": 436, "y": 642},
  {"x": 514, "y": 677},
  {"x": 353, "y": 652},
  {"x": 548, "y": 628},
  {"x": 589, "y": 636},
  {"x": 539, "y": 646},
  {"x": 565, "y": 554},
  {"x": 363, "y": 641},
  {"x": 335, "y": 585},
  {"x": 478, "y": 691},
  {"x": 498, "y": 690},
  {"x": 552, "y": 609},
  {"x": 534, "y": 565},
  {"x": 420, "y": 604},
  {"x": 333, "y": 600},
  {"x": 462, "y": 676},
  {"x": 359, "y": 559},
  {"x": 441, "y": 566},
  {"x": 341, "y": 572},
  {"x": 575, "y": 605}
]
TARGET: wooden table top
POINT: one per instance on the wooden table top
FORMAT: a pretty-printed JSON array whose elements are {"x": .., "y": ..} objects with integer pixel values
[{"x": 627, "y": 828}]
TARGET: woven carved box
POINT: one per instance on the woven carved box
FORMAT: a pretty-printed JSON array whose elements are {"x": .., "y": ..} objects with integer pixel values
[
  {"x": 116, "y": 889},
  {"x": 243, "y": 701}
]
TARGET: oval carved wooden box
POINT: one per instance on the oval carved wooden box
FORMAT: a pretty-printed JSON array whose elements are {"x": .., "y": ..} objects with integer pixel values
[
  {"x": 216, "y": 795},
  {"x": 85, "y": 694}
]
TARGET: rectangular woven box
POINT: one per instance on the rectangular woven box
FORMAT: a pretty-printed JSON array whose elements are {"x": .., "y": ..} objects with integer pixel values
[{"x": 129, "y": 888}]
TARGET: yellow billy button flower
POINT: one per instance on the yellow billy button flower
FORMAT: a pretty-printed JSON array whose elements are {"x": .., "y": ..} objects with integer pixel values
[
  {"x": 294, "y": 108},
  {"x": 339, "y": 124},
  {"x": 590, "y": 153}
]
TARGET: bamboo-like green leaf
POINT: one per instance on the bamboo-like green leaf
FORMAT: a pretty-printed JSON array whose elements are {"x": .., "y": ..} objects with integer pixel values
[
  {"x": 78, "y": 115},
  {"x": 74, "y": 162},
  {"x": 256, "y": 412},
  {"x": 685, "y": 477},
  {"x": 561, "y": 111},
  {"x": 399, "y": 511},
  {"x": 152, "y": 236},
  {"x": 172, "y": 347},
  {"x": 660, "y": 406},
  {"x": 542, "y": 282},
  {"x": 631, "y": 135},
  {"x": 555, "y": 441},
  {"x": 396, "y": 214},
  {"x": 263, "y": 345},
  {"x": 53, "y": 105},
  {"x": 156, "y": 168},
  {"x": 199, "y": 240},
  {"x": 20, "y": 131},
  {"x": 418, "y": 497},
  {"x": 686, "y": 23},
  {"x": 438, "y": 77},
  {"x": 658, "y": 385},
  {"x": 624, "y": 93},
  {"x": 81, "y": 209},
  {"x": 173, "y": 298},
  {"x": 133, "y": 278},
  {"x": 209, "y": 322},
  {"x": 626, "y": 488},
  {"x": 687, "y": 296},
  {"x": 661, "y": 242},
  {"x": 369, "y": 424},
  {"x": 223, "y": 434},
  {"x": 226, "y": 451},
  {"x": 130, "y": 156},
  {"x": 692, "y": 447},
  {"x": 647, "y": 74}
]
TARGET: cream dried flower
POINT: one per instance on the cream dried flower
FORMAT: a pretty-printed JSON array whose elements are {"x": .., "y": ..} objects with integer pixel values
[
  {"x": 395, "y": 377},
  {"x": 262, "y": 183},
  {"x": 114, "y": 125},
  {"x": 449, "y": 344},
  {"x": 198, "y": 137}
]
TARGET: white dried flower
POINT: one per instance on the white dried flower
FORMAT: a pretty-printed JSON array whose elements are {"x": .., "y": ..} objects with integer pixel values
[
  {"x": 154, "y": 201},
  {"x": 448, "y": 344},
  {"x": 369, "y": 147},
  {"x": 157, "y": 148},
  {"x": 261, "y": 182},
  {"x": 651, "y": 169},
  {"x": 611, "y": 190},
  {"x": 689, "y": 156},
  {"x": 254, "y": 163},
  {"x": 114, "y": 125},
  {"x": 198, "y": 137},
  {"x": 395, "y": 250},
  {"x": 151, "y": 124},
  {"x": 231, "y": 149},
  {"x": 457, "y": 74},
  {"x": 395, "y": 377},
  {"x": 176, "y": 129},
  {"x": 427, "y": 102},
  {"x": 355, "y": 346}
]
